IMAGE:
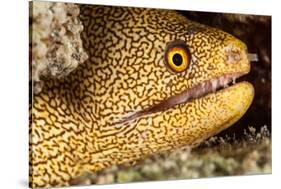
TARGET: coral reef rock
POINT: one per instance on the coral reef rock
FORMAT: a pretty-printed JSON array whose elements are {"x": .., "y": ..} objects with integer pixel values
[{"x": 55, "y": 44}]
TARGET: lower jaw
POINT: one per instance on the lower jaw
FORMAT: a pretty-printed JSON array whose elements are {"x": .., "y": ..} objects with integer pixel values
[
  {"x": 235, "y": 99},
  {"x": 192, "y": 122}
]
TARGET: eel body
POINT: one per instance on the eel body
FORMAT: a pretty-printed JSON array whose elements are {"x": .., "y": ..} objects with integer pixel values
[{"x": 154, "y": 81}]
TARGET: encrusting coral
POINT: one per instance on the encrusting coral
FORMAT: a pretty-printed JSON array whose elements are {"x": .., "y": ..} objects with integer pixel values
[{"x": 56, "y": 46}]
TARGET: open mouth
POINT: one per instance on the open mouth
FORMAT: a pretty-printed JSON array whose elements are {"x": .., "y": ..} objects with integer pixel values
[{"x": 199, "y": 90}]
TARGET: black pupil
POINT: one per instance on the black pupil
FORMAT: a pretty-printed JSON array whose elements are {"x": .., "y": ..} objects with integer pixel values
[{"x": 177, "y": 59}]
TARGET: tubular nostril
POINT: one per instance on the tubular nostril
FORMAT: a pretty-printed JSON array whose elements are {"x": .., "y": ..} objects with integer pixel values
[{"x": 253, "y": 57}]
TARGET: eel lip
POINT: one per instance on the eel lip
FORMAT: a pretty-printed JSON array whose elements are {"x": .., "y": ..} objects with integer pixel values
[{"x": 187, "y": 95}]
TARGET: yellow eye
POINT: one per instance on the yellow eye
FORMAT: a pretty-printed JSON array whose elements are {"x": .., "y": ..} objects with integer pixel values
[{"x": 177, "y": 56}]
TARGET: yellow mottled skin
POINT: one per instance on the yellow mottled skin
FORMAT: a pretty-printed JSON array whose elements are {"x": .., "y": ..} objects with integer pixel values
[{"x": 76, "y": 122}]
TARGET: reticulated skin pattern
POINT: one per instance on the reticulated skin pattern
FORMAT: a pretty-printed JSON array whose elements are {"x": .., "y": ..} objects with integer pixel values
[{"x": 76, "y": 122}]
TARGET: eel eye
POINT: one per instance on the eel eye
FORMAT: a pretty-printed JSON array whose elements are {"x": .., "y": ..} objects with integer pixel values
[{"x": 177, "y": 56}]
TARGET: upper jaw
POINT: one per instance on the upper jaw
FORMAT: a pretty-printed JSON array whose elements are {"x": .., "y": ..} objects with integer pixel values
[{"x": 197, "y": 91}]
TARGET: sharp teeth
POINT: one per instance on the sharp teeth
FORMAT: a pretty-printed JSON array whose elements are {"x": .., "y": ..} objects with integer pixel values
[
  {"x": 225, "y": 83},
  {"x": 217, "y": 84},
  {"x": 214, "y": 83},
  {"x": 234, "y": 81},
  {"x": 221, "y": 81}
]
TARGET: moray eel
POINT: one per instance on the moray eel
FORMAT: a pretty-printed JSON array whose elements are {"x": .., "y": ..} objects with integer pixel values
[{"x": 155, "y": 81}]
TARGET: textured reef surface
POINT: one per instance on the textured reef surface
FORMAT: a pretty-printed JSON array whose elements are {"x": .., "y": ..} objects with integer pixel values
[
  {"x": 55, "y": 43},
  {"x": 218, "y": 156}
]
